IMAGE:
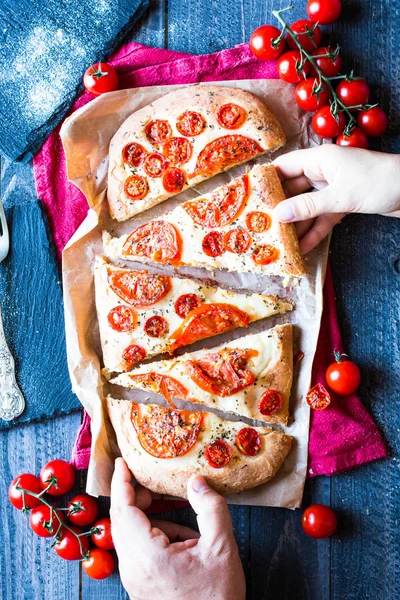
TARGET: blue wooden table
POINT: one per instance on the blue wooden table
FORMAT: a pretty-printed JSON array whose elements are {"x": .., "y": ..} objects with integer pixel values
[{"x": 362, "y": 560}]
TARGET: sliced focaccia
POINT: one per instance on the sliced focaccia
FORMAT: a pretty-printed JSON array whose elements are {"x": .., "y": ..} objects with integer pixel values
[
  {"x": 183, "y": 138},
  {"x": 231, "y": 228},
  {"x": 142, "y": 314},
  {"x": 163, "y": 447},
  {"x": 250, "y": 376}
]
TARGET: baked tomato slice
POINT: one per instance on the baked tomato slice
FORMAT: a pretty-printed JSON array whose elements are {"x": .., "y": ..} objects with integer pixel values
[
  {"x": 186, "y": 303},
  {"x": 190, "y": 123},
  {"x": 133, "y": 154},
  {"x": 222, "y": 207},
  {"x": 231, "y": 116},
  {"x": 161, "y": 384},
  {"x": 136, "y": 187},
  {"x": 248, "y": 441},
  {"x": 177, "y": 151},
  {"x": 156, "y": 326},
  {"x": 270, "y": 402},
  {"x": 237, "y": 241},
  {"x": 206, "y": 321},
  {"x": 157, "y": 240},
  {"x": 258, "y": 222},
  {"x": 213, "y": 244},
  {"x": 222, "y": 373},
  {"x": 218, "y": 454},
  {"x": 264, "y": 255},
  {"x": 173, "y": 180},
  {"x": 122, "y": 318},
  {"x": 132, "y": 355},
  {"x": 154, "y": 164},
  {"x": 158, "y": 131},
  {"x": 138, "y": 288},
  {"x": 165, "y": 432},
  {"x": 318, "y": 397},
  {"x": 224, "y": 152}
]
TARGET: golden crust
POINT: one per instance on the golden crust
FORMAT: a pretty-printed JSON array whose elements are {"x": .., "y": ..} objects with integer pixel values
[{"x": 170, "y": 476}]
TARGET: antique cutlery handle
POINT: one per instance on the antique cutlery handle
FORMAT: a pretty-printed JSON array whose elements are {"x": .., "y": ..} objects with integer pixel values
[{"x": 12, "y": 402}]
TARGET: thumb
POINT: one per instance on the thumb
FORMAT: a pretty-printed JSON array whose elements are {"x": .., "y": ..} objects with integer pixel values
[
  {"x": 213, "y": 516},
  {"x": 310, "y": 205}
]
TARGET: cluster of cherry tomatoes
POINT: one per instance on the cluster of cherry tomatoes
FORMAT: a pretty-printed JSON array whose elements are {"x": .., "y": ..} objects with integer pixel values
[
  {"x": 28, "y": 493},
  {"x": 312, "y": 70}
]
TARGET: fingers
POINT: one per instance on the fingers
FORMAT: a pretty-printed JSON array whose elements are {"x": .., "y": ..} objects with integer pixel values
[
  {"x": 309, "y": 205},
  {"x": 320, "y": 229},
  {"x": 303, "y": 226},
  {"x": 175, "y": 532},
  {"x": 298, "y": 185},
  {"x": 143, "y": 497},
  {"x": 300, "y": 162},
  {"x": 213, "y": 516}
]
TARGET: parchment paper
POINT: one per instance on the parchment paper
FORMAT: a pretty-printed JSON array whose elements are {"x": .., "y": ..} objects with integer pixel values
[{"x": 86, "y": 135}]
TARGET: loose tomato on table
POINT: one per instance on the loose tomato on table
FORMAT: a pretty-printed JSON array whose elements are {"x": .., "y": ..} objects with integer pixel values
[
  {"x": 324, "y": 12},
  {"x": 262, "y": 42},
  {"x": 330, "y": 67},
  {"x": 70, "y": 546},
  {"x": 292, "y": 68},
  {"x": 45, "y": 521},
  {"x": 58, "y": 476},
  {"x": 354, "y": 92},
  {"x": 343, "y": 376},
  {"x": 318, "y": 397},
  {"x": 103, "y": 538},
  {"x": 327, "y": 125},
  {"x": 355, "y": 139},
  {"x": 373, "y": 121},
  {"x": 24, "y": 501},
  {"x": 100, "y": 78},
  {"x": 310, "y": 94},
  {"x": 311, "y": 38},
  {"x": 99, "y": 564},
  {"x": 82, "y": 510},
  {"x": 319, "y": 521}
]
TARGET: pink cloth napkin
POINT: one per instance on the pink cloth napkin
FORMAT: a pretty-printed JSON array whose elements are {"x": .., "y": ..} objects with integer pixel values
[{"x": 343, "y": 436}]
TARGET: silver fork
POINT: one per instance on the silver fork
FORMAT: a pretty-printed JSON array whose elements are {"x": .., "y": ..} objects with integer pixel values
[{"x": 12, "y": 402}]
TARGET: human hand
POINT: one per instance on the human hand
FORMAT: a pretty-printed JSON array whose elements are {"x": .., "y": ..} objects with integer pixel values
[
  {"x": 159, "y": 560},
  {"x": 350, "y": 180}
]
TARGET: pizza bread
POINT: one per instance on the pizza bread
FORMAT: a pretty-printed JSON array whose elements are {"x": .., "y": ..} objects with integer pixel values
[
  {"x": 142, "y": 314},
  {"x": 163, "y": 447},
  {"x": 250, "y": 376},
  {"x": 231, "y": 228},
  {"x": 183, "y": 138}
]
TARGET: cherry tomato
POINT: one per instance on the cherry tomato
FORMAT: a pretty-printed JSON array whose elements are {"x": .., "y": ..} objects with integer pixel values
[
  {"x": 28, "y": 482},
  {"x": 61, "y": 474},
  {"x": 291, "y": 67},
  {"x": 356, "y": 139},
  {"x": 177, "y": 151},
  {"x": 45, "y": 521},
  {"x": 353, "y": 93},
  {"x": 99, "y": 564},
  {"x": 122, "y": 318},
  {"x": 133, "y": 154},
  {"x": 231, "y": 116},
  {"x": 343, "y": 376},
  {"x": 309, "y": 41},
  {"x": 264, "y": 255},
  {"x": 136, "y": 187},
  {"x": 324, "y": 12},
  {"x": 100, "y": 78},
  {"x": 248, "y": 441},
  {"x": 173, "y": 180},
  {"x": 258, "y": 222},
  {"x": 186, "y": 303},
  {"x": 213, "y": 244},
  {"x": 133, "y": 354},
  {"x": 319, "y": 521},
  {"x": 218, "y": 454},
  {"x": 82, "y": 510},
  {"x": 237, "y": 241},
  {"x": 156, "y": 326},
  {"x": 190, "y": 123},
  {"x": 329, "y": 67},
  {"x": 261, "y": 42},
  {"x": 154, "y": 164},
  {"x": 103, "y": 539},
  {"x": 318, "y": 397},
  {"x": 307, "y": 95},
  {"x": 158, "y": 131},
  {"x": 68, "y": 546},
  {"x": 326, "y": 125},
  {"x": 270, "y": 402},
  {"x": 373, "y": 121}
]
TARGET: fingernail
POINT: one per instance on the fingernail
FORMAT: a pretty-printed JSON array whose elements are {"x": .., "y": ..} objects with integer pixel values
[
  {"x": 284, "y": 211},
  {"x": 199, "y": 484}
]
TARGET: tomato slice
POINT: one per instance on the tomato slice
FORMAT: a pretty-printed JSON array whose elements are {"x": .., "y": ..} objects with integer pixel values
[
  {"x": 157, "y": 240},
  {"x": 186, "y": 303},
  {"x": 132, "y": 355},
  {"x": 248, "y": 441},
  {"x": 264, "y": 255},
  {"x": 166, "y": 432},
  {"x": 224, "y": 152},
  {"x": 173, "y": 180},
  {"x": 122, "y": 318},
  {"x": 158, "y": 131},
  {"x": 270, "y": 402},
  {"x": 218, "y": 454},
  {"x": 161, "y": 384},
  {"x": 222, "y": 207},
  {"x": 177, "y": 151},
  {"x": 156, "y": 326},
  {"x": 133, "y": 154},
  {"x": 222, "y": 373},
  {"x": 190, "y": 123},
  {"x": 213, "y": 244},
  {"x": 258, "y": 222},
  {"x": 206, "y": 321},
  {"x": 154, "y": 164},
  {"x": 237, "y": 241},
  {"x": 318, "y": 397},
  {"x": 231, "y": 116},
  {"x": 136, "y": 187},
  {"x": 138, "y": 288}
]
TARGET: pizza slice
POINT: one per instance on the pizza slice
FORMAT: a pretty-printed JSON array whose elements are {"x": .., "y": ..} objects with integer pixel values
[
  {"x": 183, "y": 138},
  {"x": 142, "y": 314},
  {"x": 163, "y": 447},
  {"x": 250, "y": 377},
  {"x": 231, "y": 228}
]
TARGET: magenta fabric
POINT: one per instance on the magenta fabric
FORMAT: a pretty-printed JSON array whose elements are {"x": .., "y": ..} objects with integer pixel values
[{"x": 343, "y": 436}]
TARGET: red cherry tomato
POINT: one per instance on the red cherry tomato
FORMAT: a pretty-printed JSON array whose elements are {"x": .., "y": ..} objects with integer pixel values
[
  {"x": 318, "y": 397},
  {"x": 60, "y": 474},
  {"x": 103, "y": 539},
  {"x": 100, "y": 78},
  {"x": 248, "y": 441},
  {"x": 319, "y": 521},
  {"x": 307, "y": 95},
  {"x": 356, "y": 139},
  {"x": 218, "y": 454},
  {"x": 290, "y": 67},
  {"x": 261, "y": 42},
  {"x": 330, "y": 67},
  {"x": 353, "y": 93},
  {"x": 343, "y": 376},
  {"x": 156, "y": 326},
  {"x": 324, "y": 12},
  {"x": 373, "y": 121},
  {"x": 309, "y": 41},
  {"x": 28, "y": 482},
  {"x": 270, "y": 402},
  {"x": 82, "y": 510},
  {"x": 70, "y": 547},
  {"x": 99, "y": 564},
  {"x": 45, "y": 521},
  {"x": 326, "y": 125}
]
